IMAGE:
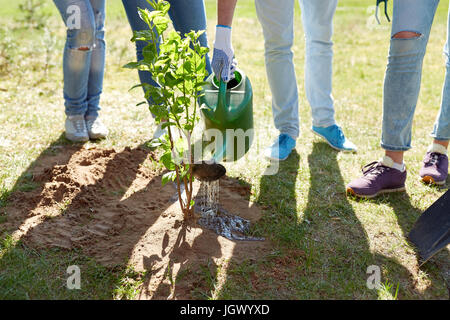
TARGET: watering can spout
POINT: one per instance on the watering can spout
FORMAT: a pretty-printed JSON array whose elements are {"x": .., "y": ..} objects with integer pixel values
[
  {"x": 221, "y": 108},
  {"x": 217, "y": 113}
]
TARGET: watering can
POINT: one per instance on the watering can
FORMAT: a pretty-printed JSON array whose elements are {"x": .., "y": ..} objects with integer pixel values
[{"x": 227, "y": 111}]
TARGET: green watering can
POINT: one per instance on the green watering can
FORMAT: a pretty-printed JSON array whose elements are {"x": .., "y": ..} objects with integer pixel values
[{"x": 228, "y": 108}]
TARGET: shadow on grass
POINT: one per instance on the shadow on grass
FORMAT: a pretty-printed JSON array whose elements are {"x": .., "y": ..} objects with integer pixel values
[
  {"x": 100, "y": 229},
  {"x": 41, "y": 274},
  {"x": 437, "y": 268},
  {"x": 323, "y": 253},
  {"x": 340, "y": 242},
  {"x": 333, "y": 232},
  {"x": 270, "y": 275},
  {"x": 320, "y": 251}
]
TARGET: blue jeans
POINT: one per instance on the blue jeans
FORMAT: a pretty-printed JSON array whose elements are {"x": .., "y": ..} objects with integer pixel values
[
  {"x": 404, "y": 73},
  {"x": 84, "y": 55},
  {"x": 277, "y": 22},
  {"x": 185, "y": 16}
]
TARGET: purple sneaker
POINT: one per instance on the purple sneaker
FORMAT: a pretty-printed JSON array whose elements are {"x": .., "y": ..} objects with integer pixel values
[
  {"x": 435, "y": 168},
  {"x": 377, "y": 179}
]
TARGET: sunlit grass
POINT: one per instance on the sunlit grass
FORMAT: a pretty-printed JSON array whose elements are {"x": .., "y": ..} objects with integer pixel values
[{"x": 305, "y": 204}]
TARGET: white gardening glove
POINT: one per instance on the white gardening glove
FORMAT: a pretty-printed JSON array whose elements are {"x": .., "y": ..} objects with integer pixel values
[{"x": 223, "y": 62}]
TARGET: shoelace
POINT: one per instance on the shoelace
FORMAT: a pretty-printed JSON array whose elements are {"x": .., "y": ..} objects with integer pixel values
[
  {"x": 90, "y": 123},
  {"x": 374, "y": 168},
  {"x": 80, "y": 126},
  {"x": 93, "y": 124},
  {"x": 340, "y": 133},
  {"x": 282, "y": 139},
  {"x": 433, "y": 159}
]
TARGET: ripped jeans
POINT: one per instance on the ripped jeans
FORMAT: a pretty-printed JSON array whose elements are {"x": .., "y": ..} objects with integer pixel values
[
  {"x": 404, "y": 73},
  {"x": 84, "y": 55}
]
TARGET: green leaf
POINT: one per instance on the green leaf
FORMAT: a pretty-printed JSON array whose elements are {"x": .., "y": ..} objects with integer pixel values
[
  {"x": 164, "y": 7},
  {"x": 149, "y": 53},
  {"x": 153, "y": 4},
  {"x": 146, "y": 16},
  {"x": 131, "y": 65},
  {"x": 167, "y": 124},
  {"x": 187, "y": 66},
  {"x": 142, "y": 35},
  {"x": 166, "y": 160},
  {"x": 172, "y": 81},
  {"x": 161, "y": 24},
  {"x": 168, "y": 176}
]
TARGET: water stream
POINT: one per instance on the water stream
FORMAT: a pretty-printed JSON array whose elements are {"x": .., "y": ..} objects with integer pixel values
[{"x": 216, "y": 218}]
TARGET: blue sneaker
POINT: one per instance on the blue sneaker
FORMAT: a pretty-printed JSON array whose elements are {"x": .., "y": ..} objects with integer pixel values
[
  {"x": 281, "y": 148},
  {"x": 334, "y": 136}
]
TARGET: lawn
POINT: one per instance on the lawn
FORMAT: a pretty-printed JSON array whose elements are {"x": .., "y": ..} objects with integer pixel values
[{"x": 322, "y": 242}]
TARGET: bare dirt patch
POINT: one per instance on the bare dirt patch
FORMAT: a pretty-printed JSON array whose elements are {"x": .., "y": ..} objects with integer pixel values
[{"x": 112, "y": 206}]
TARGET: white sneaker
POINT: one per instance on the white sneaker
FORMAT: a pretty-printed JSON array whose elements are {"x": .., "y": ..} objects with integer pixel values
[
  {"x": 76, "y": 130},
  {"x": 95, "y": 128}
]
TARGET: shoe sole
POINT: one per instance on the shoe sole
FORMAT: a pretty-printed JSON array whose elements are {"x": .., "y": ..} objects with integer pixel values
[
  {"x": 430, "y": 180},
  {"x": 97, "y": 136},
  {"x": 335, "y": 148},
  {"x": 77, "y": 139},
  {"x": 353, "y": 193}
]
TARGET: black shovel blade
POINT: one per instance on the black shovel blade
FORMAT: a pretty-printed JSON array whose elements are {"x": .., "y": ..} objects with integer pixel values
[
  {"x": 208, "y": 171},
  {"x": 431, "y": 231}
]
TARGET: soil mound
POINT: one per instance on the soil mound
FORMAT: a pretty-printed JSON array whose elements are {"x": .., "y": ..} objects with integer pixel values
[{"x": 112, "y": 206}]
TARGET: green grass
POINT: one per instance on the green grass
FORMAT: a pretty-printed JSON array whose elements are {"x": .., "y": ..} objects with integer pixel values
[
  {"x": 30, "y": 274},
  {"x": 323, "y": 241}
]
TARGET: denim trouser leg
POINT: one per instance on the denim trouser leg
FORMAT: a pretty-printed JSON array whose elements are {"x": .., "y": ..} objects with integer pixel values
[
  {"x": 277, "y": 23},
  {"x": 190, "y": 15},
  {"x": 441, "y": 130},
  {"x": 404, "y": 71},
  {"x": 185, "y": 15},
  {"x": 317, "y": 18},
  {"x": 278, "y": 28},
  {"x": 96, "y": 72},
  {"x": 78, "y": 54}
]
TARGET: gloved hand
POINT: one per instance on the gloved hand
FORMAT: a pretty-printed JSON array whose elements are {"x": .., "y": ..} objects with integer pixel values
[{"x": 223, "y": 62}]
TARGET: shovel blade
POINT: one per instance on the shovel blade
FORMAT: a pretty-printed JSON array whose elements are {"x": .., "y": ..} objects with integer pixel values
[{"x": 431, "y": 232}]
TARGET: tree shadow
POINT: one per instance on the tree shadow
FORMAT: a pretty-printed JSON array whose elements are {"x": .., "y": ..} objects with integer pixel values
[
  {"x": 96, "y": 218},
  {"x": 278, "y": 224},
  {"x": 199, "y": 259},
  {"x": 101, "y": 219},
  {"x": 105, "y": 205},
  {"x": 331, "y": 248},
  {"x": 187, "y": 281}
]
